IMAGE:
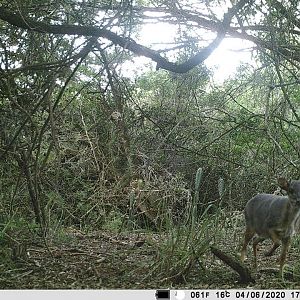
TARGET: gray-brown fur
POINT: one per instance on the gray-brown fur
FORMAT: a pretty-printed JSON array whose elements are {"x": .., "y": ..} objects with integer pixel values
[{"x": 273, "y": 216}]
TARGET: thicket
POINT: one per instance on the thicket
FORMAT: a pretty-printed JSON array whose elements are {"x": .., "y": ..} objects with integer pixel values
[{"x": 81, "y": 145}]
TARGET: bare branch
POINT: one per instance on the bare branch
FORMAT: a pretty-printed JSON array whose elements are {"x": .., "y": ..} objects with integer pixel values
[{"x": 17, "y": 19}]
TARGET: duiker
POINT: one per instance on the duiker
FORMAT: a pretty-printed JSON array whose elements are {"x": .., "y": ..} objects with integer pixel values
[{"x": 275, "y": 217}]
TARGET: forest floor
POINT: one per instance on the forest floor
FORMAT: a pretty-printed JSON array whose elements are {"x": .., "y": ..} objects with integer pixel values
[{"x": 105, "y": 260}]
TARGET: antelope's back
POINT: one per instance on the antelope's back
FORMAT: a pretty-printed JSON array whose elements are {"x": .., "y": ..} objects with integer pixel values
[{"x": 266, "y": 211}]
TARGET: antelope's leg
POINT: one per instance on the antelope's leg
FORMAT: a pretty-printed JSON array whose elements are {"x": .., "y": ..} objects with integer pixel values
[
  {"x": 285, "y": 247},
  {"x": 249, "y": 233},
  {"x": 255, "y": 243}
]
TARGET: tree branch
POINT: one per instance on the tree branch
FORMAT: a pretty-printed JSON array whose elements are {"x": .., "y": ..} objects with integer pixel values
[{"x": 17, "y": 19}]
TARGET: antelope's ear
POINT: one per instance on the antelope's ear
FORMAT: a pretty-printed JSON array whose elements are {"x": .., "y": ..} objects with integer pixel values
[{"x": 283, "y": 183}]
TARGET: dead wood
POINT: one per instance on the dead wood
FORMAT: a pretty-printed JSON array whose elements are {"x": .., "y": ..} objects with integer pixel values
[{"x": 241, "y": 269}]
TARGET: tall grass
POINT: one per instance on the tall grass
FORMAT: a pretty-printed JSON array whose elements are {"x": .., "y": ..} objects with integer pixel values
[{"x": 184, "y": 245}]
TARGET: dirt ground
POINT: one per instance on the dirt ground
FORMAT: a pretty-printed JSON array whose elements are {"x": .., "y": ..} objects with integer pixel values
[{"x": 103, "y": 260}]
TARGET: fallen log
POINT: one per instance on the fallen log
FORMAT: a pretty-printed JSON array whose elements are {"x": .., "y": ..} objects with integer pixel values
[{"x": 237, "y": 266}]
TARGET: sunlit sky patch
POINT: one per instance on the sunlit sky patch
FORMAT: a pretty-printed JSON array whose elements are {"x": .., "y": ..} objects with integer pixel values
[{"x": 223, "y": 61}]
